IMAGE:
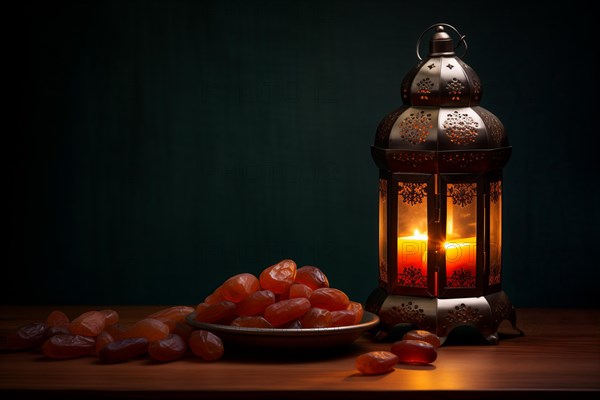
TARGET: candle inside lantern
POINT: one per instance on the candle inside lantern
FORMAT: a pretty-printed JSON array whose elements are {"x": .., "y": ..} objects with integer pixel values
[
  {"x": 461, "y": 254},
  {"x": 412, "y": 252}
]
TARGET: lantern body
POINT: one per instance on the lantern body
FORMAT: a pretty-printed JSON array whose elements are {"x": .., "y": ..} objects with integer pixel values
[{"x": 440, "y": 157}]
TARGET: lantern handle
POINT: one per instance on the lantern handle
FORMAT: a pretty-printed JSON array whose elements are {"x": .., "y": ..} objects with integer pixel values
[{"x": 461, "y": 40}]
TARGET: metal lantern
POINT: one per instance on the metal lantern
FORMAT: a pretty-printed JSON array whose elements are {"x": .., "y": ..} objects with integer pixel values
[{"x": 440, "y": 157}]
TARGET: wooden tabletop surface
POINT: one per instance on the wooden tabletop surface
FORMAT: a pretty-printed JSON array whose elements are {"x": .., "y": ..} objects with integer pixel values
[{"x": 559, "y": 357}]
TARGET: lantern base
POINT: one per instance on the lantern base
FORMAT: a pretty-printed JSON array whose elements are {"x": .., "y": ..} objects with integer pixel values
[{"x": 441, "y": 316}]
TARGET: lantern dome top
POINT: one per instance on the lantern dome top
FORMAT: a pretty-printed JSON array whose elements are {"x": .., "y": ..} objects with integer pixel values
[
  {"x": 441, "y": 127},
  {"x": 442, "y": 79}
]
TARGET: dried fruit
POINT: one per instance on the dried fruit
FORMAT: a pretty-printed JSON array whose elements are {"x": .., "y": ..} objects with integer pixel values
[
  {"x": 376, "y": 362},
  {"x": 65, "y": 346},
  {"x": 312, "y": 277},
  {"x": 27, "y": 336},
  {"x": 330, "y": 299},
  {"x": 342, "y": 318},
  {"x": 278, "y": 277},
  {"x": 149, "y": 328},
  {"x": 414, "y": 351},
  {"x": 255, "y": 321},
  {"x": 316, "y": 318},
  {"x": 90, "y": 323},
  {"x": 57, "y": 318},
  {"x": 216, "y": 313},
  {"x": 111, "y": 317},
  {"x": 255, "y": 304},
  {"x": 170, "y": 348},
  {"x": 206, "y": 345},
  {"x": 239, "y": 286},
  {"x": 358, "y": 310},
  {"x": 215, "y": 297},
  {"x": 102, "y": 340},
  {"x": 423, "y": 335},
  {"x": 123, "y": 350},
  {"x": 299, "y": 290},
  {"x": 286, "y": 311},
  {"x": 177, "y": 313}
]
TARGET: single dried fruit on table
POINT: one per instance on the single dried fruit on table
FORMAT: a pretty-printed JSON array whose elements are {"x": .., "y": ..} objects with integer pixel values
[
  {"x": 102, "y": 340},
  {"x": 330, "y": 299},
  {"x": 286, "y": 311},
  {"x": 65, "y": 346},
  {"x": 255, "y": 304},
  {"x": 90, "y": 323},
  {"x": 111, "y": 317},
  {"x": 57, "y": 318},
  {"x": 342, "y": 318},
  {"x": 170, "y": 348},
  {"x": 149, "y": 328},
  {"x": 206, "y": 345},
  {"x": 216, "y": 313},
  {"x": 123, "y": 350},
  {"x": 255, "y": 321},
  {"x": 177, "y": 313},
  {"x": 376, "y": 362},
  {"x": 426, "y": 336},
  {"x": 316, "y": 318},
  {"x": 27, "y": 336},
  {"x": 312, "y": 277},
  {"x": 299, "y": 290},
  {"x": 239, "y": 286},
  {"x": 414, "y": 351},
  {"x": 278, "y": 277}
]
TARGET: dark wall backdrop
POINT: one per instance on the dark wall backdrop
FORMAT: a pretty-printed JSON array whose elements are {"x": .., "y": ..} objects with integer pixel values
[{"x": 162, "y": 146}]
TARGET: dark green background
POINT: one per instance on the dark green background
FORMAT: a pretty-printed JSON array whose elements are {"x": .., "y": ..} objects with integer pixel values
[{"x": 162, "y": 146}]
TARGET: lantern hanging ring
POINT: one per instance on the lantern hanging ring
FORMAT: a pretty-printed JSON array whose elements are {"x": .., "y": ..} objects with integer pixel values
[{"x": 461, "y": 39}]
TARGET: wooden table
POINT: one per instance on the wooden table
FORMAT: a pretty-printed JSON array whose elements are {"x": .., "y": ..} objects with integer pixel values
[{"x": 559, "y": 357}]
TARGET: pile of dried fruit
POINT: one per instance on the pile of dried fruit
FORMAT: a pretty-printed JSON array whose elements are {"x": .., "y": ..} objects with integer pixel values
[
  {"x": 282, "y": 297},
  {"x": 163, "y": 335}
]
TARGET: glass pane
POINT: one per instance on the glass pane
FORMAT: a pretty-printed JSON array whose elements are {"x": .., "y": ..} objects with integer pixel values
[
  {"x": 461, "y": 235},
  {"x": 412, "y": 234},
  {"x": 383, "y": 246},
  {"x": 495, "y": 232}
]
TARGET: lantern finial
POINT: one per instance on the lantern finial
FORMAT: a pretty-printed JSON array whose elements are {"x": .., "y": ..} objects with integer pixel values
[{"x": 441, "y": 43}]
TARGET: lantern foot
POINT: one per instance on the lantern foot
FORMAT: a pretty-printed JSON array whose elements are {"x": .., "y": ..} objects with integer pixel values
[{"x": 399, "y": 314}]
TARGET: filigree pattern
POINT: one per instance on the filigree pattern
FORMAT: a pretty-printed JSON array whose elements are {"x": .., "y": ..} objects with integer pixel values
[
  {"x": 463, "y": 314},
  {"x": 462, "y": 194},
  {"x": 454, "y": 89},
  {"x": 495, "y": 191},
  {"x": 415, "y": 127},
  {"x": 476, "y": 89},
  {"x": 412, "y": 193},
  {"x": 409, "y": 313},
  {"x": 383, "y": 270},
  {"x": 424, "y": 86},
  {"x": 463, "y": 159},
  {"x": 494, "y": 278},
  {"x": 412, "y": 277},
  {"x": 385, "y": 126},
  {"x": 461, "y": 278},
  {"x": 413, "y": 159},
  {"x": 383, "y": 189},
  {"x": 493, "y": 126},
  {"x": 460, "y": 128}
]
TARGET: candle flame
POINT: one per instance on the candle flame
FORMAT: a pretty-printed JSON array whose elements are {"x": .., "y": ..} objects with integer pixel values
[{"x": 420, "y": 236}]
